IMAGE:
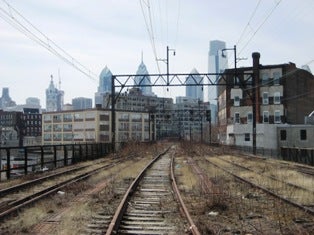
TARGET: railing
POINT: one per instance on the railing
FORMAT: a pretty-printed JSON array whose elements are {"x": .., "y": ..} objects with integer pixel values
[
  {"x": 266, "y": 152},
  {"x": 18, "y": 161},
  {"x": 300, "y": 155},
  {"x": 293, "y": 154}
]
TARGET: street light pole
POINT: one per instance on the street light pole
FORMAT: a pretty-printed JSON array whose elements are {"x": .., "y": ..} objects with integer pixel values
[
  {"x": 234, "y": 49},
  {"x": 113, "y": 115},
  {"x": 167, "y": 62}
]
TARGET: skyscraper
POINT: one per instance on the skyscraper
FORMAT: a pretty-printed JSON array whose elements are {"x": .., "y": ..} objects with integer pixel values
[
  {"x": 105, "y": 82},
  {"x": 143, "y": 82},
  {"x": 54, "y": 98},
  {"x": 82, "y": 103},
  {"x": 5, "y": 99},
  {"x": 196, "y": 91},
  {"x": 216, "y": 64}
]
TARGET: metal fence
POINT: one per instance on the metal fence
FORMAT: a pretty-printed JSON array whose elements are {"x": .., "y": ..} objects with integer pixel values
[
  {"x": 271, "y": 153},
  {"x": 299, "y": 155},
  {"x": 17, "y": 161}
]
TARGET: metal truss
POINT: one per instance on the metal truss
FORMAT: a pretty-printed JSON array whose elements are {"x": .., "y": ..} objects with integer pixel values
[{"x": 172, "y": 80}]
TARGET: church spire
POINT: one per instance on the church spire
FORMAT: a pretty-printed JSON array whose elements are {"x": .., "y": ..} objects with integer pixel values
[{"x": 142, "y": 56}]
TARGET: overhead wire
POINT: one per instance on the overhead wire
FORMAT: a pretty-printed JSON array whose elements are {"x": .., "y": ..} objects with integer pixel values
[
  {"x": 241, "y": 37},
  {"x": 177, "y": 23},
  {"x": 48, "y": 44},
  {"x": 249, "y": 22},
  {"x": 260, "y": 26},
  {"x": 150, "y": 31}
]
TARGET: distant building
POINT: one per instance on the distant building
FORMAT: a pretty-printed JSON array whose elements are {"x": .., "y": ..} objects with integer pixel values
[
  {"x": 284, "y": 95},
  {"x": 5, "y": 99},
  {"x": 82, "y": 103},
  {"x": 54, "y": 98},
  {"x": 160, "y": 108},
  {"x": 193, "y": 90},
  {"x": 105, "y": 83},
  {"x": 67, "y": 107},
  {"x": 189, "y": 118},
  {"x": 143, "y": 82},
  {"x": 33, "y": 101},
  {"x": 217, "y": 63},
  {"x": 20, "y": 127},
  {"x": 94, "y": 126}
]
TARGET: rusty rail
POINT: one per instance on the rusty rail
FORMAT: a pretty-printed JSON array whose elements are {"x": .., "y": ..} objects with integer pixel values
[
  {"x": 306, "y": 209},
  {"x": 115, "y": 222},
  {"x": 113, "y": 227},
  {"x": 27, "y": 200},
  {"x": 192, "y": 227}
]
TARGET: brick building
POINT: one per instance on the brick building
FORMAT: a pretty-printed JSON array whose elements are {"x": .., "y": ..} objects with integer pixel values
[{"x": 283, "y": 94}]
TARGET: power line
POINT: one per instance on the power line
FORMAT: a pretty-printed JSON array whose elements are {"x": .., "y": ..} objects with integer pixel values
[
  {"x": 40, "y": 38},
  {"x": 150, "y": 31},
  {"x": 260, "y": 26},
  {"x": 249, "y": 22}
]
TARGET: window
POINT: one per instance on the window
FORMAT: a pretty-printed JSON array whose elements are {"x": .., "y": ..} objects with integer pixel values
[
  {"x": 236, "y": 118},
  {"x": 265, "y": 98},
  {"x": 277, "y": 98},
  {"x": 276, "y": 76},
  {"x": 67, "y": 117},
  {"x": 136, "y": 117},
  {"x": 104, "y": 117},
  {"x": 277, "y": 116},
  {"x": 247, "y": 136},
  {"x": 283, "y": 135},
  {"x": 265, "y": 117},
  {"x": 78, "y": 117},
  {"x": 249, "y": 118},
  {"x": 236, "y": 101},
  {"x": 67, "y": 127},
  {"x": 265, "y": 78},
  {"x": 302, "y": 134},
  {"x": 57, "y": 118},
  {"x": 104, "y": 127}
]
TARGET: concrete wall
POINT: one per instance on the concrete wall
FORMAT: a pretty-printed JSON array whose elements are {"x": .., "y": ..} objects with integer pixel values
[
  {"x": 266, "y": 135},
  {"x": 293, "y": 136}
]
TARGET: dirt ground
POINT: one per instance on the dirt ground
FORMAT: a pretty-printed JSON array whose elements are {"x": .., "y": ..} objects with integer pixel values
[{"x": 231, "y": 207}]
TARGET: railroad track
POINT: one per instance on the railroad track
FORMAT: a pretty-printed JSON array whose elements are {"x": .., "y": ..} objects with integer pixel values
[
  {"x": 311, "y": 190},
  {"x": 302, "y": 168},
  {"x": 271, "y": 192},
  {"x": 150, "y": 205},
  {"x": 19, "y": 196}
]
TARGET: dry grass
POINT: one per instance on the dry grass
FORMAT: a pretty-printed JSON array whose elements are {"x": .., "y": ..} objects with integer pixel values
[
  {"x": 271, "y": 168},
  {"x": 187, "y": 178},
  {"x": 73, "y": 221}
]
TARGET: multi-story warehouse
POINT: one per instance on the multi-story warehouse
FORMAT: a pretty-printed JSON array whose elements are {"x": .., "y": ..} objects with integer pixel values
[
  {"x": 190, "y": 118},
  {"x": 283, "y": 94},
  {"x": 158, "y": 107},
  {"x": 20, "y": 127},
  {"x": 94, "y": 125}
]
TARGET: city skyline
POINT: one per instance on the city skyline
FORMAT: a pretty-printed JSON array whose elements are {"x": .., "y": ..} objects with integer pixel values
[{"x": 115, "y": 34}]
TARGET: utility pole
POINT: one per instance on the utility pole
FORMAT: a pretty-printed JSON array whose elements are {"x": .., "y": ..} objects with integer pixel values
[
  {"x": 113, "y": 115},
  {"x": 167, "y": 62},
  {"x": 234, "y": 49}
]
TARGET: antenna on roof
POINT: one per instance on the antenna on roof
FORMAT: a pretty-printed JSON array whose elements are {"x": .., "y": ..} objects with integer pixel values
[
  {"x": 59, "y": 79},
  {"x": 142, "y": 56}
]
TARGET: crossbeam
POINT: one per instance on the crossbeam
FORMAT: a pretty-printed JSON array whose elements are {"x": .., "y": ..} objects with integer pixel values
[{"x": 170, "y": 80}]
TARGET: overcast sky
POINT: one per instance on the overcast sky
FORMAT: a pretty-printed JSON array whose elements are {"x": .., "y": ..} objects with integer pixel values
[{"x": 114, "y": 33}]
